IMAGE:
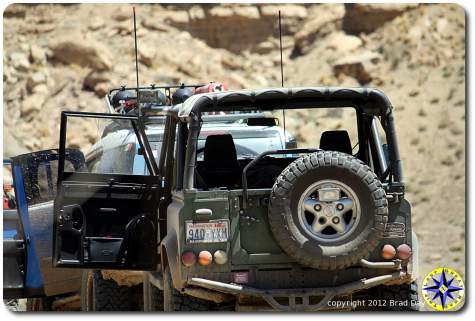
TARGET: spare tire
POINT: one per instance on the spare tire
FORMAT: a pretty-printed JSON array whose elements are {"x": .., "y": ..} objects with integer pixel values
[{"x": 328, "y": 210}]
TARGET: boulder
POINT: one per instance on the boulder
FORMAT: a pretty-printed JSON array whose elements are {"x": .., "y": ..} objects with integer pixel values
[
  {"x": 34, "y": 80},
  {"x": 286, "y": 11},
  {"x": 37, "y": 55},
  {"x": 80, "y": 50},
  {"x": 32, "y": 104},
  {"x": 20, "y": 61},
  {"x": 359, "y": 66},
  {"x": 365, "y": 18},
  {"x": 342, "y": 42},
  {"x": 327, "y": 18},
  {"x": 146, "y": 55}
]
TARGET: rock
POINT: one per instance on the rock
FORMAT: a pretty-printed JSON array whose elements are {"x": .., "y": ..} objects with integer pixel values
[
  {"x": 153, "y": 23},
  {"x": 80, "y": 50},
  {"x": 342, "y": 42},
  {"x": 96, "y": 24},
  {"x": 32, "y": 104},
  {"x": 101, "y": 89},
  {"x": 196, "y": 13},
  {"x": 20, "y": 61},
  {"x": 34, "y": 80},
  {"x": 15, "y": 11},
  {"x": 221, "y": 12},
  {"x": 365, "y": 18},
  {"x": 327, "y": 18},
  {"x": 178, "y": 18},
  {"x": 37, "y": 55},
  {"x": 358, "y": 66},
  {"x": 286, "y": 11},
  {"x": 265, "y": 47},
  {"x": 146, "y": 55},
  {"x": 247, "y": 12},
  {"x": 95, "y": 77}
]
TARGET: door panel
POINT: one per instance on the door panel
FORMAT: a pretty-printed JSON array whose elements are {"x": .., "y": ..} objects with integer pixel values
[
  {"x": 35, "y": 178},
  {"x": 106, "y": 216}
]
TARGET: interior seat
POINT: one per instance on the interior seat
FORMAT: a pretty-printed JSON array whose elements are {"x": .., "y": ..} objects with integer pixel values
[
  {"x": 336, "y": 140},
  {"x": 220, "y": 164}
]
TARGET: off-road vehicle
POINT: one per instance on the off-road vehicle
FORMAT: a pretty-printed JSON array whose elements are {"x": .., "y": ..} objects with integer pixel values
[{"x": 288, "y": 229}]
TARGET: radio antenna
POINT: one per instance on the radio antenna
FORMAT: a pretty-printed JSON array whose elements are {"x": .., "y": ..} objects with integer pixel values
[
  {"x": 282, "y": 74},
  {"x": 136, "y": 61}
]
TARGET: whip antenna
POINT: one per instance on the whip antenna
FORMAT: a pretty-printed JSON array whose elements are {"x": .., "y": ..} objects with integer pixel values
[
  {"x": 282, "y": 74},
  {"x": 136, "y": 61}
]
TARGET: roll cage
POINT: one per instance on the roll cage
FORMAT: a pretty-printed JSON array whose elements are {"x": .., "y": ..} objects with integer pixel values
[{"x": 185, "y": 121}]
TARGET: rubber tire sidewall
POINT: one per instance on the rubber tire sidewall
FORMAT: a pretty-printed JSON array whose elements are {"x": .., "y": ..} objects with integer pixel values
[{"x": 293, "y": 237}]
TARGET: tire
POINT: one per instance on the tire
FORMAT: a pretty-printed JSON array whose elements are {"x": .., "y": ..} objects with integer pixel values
[
  {"x": 286, "y": 216},
  {"x": 153, "y": 296},
  {"x": 39, "y": 304},
  {"x": 175, "y": 301},
  {"x": 98, "y": 294},
  {"x": 405, "y": 297}
]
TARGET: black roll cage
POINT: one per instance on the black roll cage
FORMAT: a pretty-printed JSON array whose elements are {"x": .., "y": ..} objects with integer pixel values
[{"x": 367, "y": 102}]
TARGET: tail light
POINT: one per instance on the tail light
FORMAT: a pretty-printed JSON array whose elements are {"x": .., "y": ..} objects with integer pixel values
[
  {"x": 205, "y": 258},
  {"x": 404, "y": 251},
  {"x": 220, "y": 257},
  {"x": 388, "y": 252},
  {"x": 188, "y": 259}
]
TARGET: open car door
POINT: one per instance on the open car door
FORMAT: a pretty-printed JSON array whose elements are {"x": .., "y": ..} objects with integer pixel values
[
  {"x": 28, "y": 227},
  {"x": 105, "y": 214}
]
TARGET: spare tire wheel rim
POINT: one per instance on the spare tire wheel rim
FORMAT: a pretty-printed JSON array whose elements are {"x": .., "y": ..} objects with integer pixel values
[{"x": 329, "y": 211}]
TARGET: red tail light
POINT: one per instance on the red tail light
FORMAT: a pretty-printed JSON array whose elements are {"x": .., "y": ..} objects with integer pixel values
[
  {"x": 188, "y": 259},
  {"x": 404, "y": 251}
]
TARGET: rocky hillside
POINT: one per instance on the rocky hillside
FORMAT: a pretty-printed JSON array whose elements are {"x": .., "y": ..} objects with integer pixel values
[{"x": 59, "y": 57}]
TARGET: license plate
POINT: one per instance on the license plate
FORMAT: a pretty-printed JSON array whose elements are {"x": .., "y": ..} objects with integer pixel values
[{"x": 207, "y": 232}]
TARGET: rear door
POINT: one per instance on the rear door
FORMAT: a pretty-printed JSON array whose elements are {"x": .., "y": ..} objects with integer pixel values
[{"x": 105, "y": 213}]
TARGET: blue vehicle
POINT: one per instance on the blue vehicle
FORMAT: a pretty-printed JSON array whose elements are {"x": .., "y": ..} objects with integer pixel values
[{"x": 28, "y": 230}]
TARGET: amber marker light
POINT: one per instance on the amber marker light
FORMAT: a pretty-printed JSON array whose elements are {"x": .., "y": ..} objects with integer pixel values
[
  {"x": 205, "y": 258},
  {"x": 188, "y": 259},
  {"x": 404, "y": 251},
  {"x": 388, "y": 252}
]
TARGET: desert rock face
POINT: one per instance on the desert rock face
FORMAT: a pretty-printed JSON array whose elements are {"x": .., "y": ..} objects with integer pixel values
[{"x": 66, "y": 57}]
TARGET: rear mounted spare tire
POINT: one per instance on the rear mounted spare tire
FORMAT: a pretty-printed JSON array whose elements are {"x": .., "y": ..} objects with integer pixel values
[{"x": 328, "y": 210}]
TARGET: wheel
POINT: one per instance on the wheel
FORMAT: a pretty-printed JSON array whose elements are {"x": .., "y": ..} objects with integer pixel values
[
  {"x": 39, "y": 304},
  {"x": 175, "y": 301},
  {"x": 402, "y": 297},
  {"x": 153, "y": 296},
  {"x": 98, "y": 294},
  {"x": 328, "y": 210}
]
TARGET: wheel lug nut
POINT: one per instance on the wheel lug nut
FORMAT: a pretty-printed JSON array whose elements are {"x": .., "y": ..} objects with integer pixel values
[
  {"x": 339, "y": 206},
  {"x": 318, "y": 207},
  {"x": 336, "y": 220}
]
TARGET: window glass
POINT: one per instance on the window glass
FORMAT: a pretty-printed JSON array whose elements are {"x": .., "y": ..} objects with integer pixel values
[{"x": 110, "y": 146}]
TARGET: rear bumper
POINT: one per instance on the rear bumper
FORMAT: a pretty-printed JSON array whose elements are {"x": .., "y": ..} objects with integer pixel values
[{"x": 300, "y": 299}]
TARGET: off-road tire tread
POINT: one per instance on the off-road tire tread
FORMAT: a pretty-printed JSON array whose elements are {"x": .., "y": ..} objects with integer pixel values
[
  {"x": 279, "y": 196},
  {"x": 180, "y": 302},
  {"x": 108, "y": 296}
]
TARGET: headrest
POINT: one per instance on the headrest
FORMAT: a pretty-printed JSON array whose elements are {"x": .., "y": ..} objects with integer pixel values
[
  {"x": 336, "y": 140},
  {"x": 220, "y": 151}
]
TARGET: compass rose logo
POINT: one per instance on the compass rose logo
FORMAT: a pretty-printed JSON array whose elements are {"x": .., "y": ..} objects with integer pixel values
[{"x": 443, "y": 289}]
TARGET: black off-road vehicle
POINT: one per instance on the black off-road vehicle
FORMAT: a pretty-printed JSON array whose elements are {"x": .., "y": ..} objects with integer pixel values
[{"x": 293, "y": 229}]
